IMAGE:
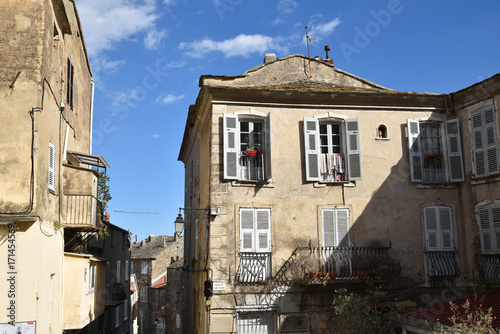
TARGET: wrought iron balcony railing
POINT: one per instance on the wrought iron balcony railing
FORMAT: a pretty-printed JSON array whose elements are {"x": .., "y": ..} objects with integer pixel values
[
  {"x": 442, "y": 265},
  {"x": 490, "y": 269},
  {"x": 254, "y": 268},
  {"x": 319, "y": 264}
]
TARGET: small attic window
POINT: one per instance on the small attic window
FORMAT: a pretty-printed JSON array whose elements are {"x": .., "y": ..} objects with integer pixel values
[{"x": 382, "y": 132}]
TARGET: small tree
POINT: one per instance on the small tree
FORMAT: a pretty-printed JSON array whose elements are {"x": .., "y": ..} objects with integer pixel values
[{"x": 104, "y": 197}]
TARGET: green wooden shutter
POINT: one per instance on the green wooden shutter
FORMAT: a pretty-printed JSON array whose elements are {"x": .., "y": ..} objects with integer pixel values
[
  {"x": 454, "y": 151},
  {"x": 231, "y": 147},
  {"x": 267, "y": 169},
  {"x": 415, "y": 151},
  {"x": 353, "y": 149},
  {"x": 431, "y": 228},
  {"x": 247, "y": 230},
  {"x": 311, "y": 148}
]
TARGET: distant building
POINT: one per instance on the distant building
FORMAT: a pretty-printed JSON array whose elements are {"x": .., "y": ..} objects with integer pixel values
[{"x": 157, "y": 263}]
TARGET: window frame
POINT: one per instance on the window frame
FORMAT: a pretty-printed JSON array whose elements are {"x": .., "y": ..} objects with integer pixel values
[
  {"x": 340, "y": 219},
  {"x": 232, "y": 154},
  {"x": 70, "y": 74},
  {"x": 144, "y": 267},
  {"x": 485, "y": 159},
  {"x": 144, "y": 294},
  {"x": 436, "y": 235},
  {"x": 350, "y": 146},
  {"x": 257, "y": 215},
  {"x": 92, "y": 276},
  {"x": 265, "y": 318},
  {"x": 492, "y": 211},
  {"x": 449, "y": 136}
]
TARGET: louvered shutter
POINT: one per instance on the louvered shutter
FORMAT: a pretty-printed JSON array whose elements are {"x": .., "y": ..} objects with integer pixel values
[
  {"x": 445, "y": 228},
  {"x": 52, "y": 167},
  {"x": 329, "y": 235},
  {"x": 454, "y": 151},
  {"x": 477, "y": 144},
  {"x": 247, "y": 230},
  {"x": 263, "y": 230},
  {"x": 231, "y": 146},
  {"x": 415, "y": 151},
  {"x": 268, "y": 170},
  {"x": 431, "y": 228},
  {"x": 312, "y": 149},
  {"x": 343, "y": 227},
  {"x": 353, "y": 149},
  {"x": 495, "y": 215},
  {"x": 491, "y": 140},
  {"x": 485, "y": 234}
]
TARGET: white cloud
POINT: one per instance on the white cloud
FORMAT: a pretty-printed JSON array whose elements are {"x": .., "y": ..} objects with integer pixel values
[
  {"x": 153, "y": 38},
  {"x": 239, "y": 46},
  {"x": 169, "y": 2},
  {"x": 321, "y": 30},
  {"x": 154, "y": 136},
  {"x": 169, "y": 98},
  {"x": 108, "y": 22},
  {"x": 287, "y": 6}
]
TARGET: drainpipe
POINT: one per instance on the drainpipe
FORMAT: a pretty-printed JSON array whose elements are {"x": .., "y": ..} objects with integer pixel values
[{"x": 91, "y": 112}]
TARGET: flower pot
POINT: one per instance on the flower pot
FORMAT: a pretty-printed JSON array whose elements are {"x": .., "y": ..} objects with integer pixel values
[{"x": 253, "y": 153}]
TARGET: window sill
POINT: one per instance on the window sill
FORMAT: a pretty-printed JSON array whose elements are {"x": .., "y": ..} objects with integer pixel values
[
  {"x": 436, "y": 186},
  {"x": 330, "y": 184},
  {"x": 382, "y": 139},
  {"x": 486, "y": 179},
  {"x": 250, "y": 183}
]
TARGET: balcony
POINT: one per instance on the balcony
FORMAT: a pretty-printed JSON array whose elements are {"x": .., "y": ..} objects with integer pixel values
[
  {"x": 115, "y": 294},
  {"x": 442, "y": 265},
  {"x": 332, "y": 264},
  {"x": 254, "y": 268},
  {"x": 490, "y": 269}
]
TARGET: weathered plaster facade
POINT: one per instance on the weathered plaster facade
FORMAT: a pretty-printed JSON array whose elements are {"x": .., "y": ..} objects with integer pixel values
[{"x": 384, "y": 201}]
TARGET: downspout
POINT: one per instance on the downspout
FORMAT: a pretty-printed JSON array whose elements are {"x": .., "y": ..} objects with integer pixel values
[{"x": 92, "y": 85}]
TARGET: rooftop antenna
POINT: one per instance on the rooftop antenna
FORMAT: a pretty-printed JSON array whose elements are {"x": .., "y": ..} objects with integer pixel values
[{"x": 308, "y": 39}]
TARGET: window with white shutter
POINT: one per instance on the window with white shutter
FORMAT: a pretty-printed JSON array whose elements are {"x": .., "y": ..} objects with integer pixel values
[
  {"x": 484, "y": 142},
  {"x": 438, "y": 228},
  {"x": 335, "y": 227},
  {"x": 52, "y": 167},
  {"x": 332, "y": 150},
  {"x": 256, "y": 323},
  {"x": 488, "y": 218},
  {"x": 247, "y": 148},
  {"x": 435, "y": 152}
]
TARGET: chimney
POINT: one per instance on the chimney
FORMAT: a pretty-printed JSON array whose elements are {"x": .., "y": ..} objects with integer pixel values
[
  {"x": 269, "y": 58},
  {"x": 327, "y": 49},
  {"x": 151, "y": 237}
]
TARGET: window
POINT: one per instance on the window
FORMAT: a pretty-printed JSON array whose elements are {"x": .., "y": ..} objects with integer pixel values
[
  {"x": 132, "y": 267},
  {"x": 92, "y": 267},
  {"x": 435, "y": 158},
  {"x": 332, "y": 150},
  {"x": 125, "y": 309},
  {"x": 488, "y": 217},
  {"x": 118, "y": 271},
  {"x": 438, "y": 228},
  {"x": 247, "y": 148},
  {"x": 484, "y": 142},
  {"x": 255, "y": 323},
  {"x": 335, "y": 227},
  {"x": 117, "y": 316},
  {"x": 382, "y": 132},
  {"x": 69, "y": 84},
  {"x": 144, "y": 293},
  {"x": 52, "y": 167},
  {"x": 255, "y": 244},
  {"x": 144, "y": 268},
  {"x": 108, "y": 272},
  {"x": 127, "y": 273}
]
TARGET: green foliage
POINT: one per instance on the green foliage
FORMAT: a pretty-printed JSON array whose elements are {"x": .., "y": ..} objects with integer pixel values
[
  {"x": 373, "y": 312},
  {"x": 104, "y": 197},
  {"x": 468, "y": 321}
]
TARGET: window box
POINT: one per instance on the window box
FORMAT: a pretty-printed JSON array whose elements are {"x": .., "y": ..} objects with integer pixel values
[{"x": 252, "y": 153}]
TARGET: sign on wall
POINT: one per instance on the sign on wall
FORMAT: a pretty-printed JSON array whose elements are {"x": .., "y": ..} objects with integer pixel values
[{"x": 19, "y": 328}]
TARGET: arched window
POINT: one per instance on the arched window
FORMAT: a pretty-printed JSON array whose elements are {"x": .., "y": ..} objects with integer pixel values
[{"x": 382, "y": 132}]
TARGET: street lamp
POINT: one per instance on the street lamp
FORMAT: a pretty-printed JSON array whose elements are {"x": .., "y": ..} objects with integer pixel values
[{"x": 179, "y": 224}]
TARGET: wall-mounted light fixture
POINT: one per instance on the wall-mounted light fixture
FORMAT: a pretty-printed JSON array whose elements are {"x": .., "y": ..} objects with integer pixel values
[{"x": 179, "y": 221}]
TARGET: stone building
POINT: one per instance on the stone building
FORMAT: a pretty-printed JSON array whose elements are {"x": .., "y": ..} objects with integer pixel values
[
  {"x": 155, "y": 263},
  {"x": 48, "y": 175},
  {"x": 301, "y": 178}
]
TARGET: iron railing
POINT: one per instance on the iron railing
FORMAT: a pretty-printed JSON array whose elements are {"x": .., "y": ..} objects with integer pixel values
[
  {"x": 82, "y": 211},
  {"x": 319, "y": 264},
  {"x": 115, "y": 294},
  {"x": 490, "y": 269},
  {"x": 254, "y": 268},
  {"x": 442, "y": 265}
]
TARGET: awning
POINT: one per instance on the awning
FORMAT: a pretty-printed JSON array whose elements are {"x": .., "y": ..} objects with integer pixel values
[{"x": 90, "y": 159}]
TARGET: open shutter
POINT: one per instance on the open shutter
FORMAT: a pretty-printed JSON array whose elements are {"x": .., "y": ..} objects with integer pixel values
[
  {"x": 454, "y": 151},
  {"x": 263, "y": 230},
  {"x": 268, "y": 170},
  {"x": 445, "y": 227},
  {"x": 353, "y": 149},
  {"x": 52, "y": 167},
  {"x": 311, "y": 143},
  {"x": 329, "y": 235},
  {"x": 477, "y": 144},
  {"x": 231, "y": 146},
  {"x": 491, "y": 140},
  {"x": 431, "y": 228},
  {"x": 247, "y": 235},
  {"x": 414, "y": 147},
  {"x": 343, "y": 227},
  {"x": 483, "y": 218}
]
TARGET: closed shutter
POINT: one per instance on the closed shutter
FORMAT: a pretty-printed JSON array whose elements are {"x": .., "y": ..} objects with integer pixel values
[
  {"x": 454, "y": 151},
  {"x": 445, "y": 228},
  {"x": 247, "y": 230},
  {"x": 118, "y": 271},
  {"x": 311, "y": 144},
  {"x": 343, "y": 227},
  {"x": 495, "y": 215},
  {"x": 485, "y": 141},
  {"x": 335, "y": 227},
  {"x": 353, "y": 149},
  {"x": 263, "y": 230},
  {"x": 268, "y": 170},
  {"x": 52, "y": 167},
  {"x": 485, "y": 229},
  {"x": 415, "y": 151},
  {"x": 231, "y": 146},
  {"x": 329, "y": 235},
  {"x": 431, "y": 228},
  {"x": 491, "y": 140}
]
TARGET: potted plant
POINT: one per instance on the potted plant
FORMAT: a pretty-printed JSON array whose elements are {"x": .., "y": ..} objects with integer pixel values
[
  {"x": 434, "y": 158},
  {"x": 253, "y": 151}
]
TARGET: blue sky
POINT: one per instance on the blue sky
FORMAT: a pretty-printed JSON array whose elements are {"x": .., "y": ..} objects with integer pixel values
[{"x": 147, "y": 57}]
